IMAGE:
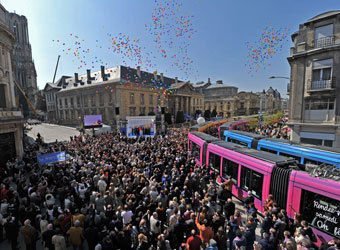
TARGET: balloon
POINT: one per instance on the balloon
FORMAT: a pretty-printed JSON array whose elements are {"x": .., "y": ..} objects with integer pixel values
[{"x": 200, "y": 120}]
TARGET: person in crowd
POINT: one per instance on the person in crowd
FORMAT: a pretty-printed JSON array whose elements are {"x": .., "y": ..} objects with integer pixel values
[
  {"x": 30, "y": 235},
  {"x": 47, "y": 237},
  {"x": 76, "y": 236},
  {"x": 58, "y": 241}
]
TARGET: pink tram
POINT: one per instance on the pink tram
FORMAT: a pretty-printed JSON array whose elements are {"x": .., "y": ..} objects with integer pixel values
[{"x": 316, "y": 199}]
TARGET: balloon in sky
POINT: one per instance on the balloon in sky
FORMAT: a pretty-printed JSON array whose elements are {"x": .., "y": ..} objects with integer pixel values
[{"x": 261, "y": 51}]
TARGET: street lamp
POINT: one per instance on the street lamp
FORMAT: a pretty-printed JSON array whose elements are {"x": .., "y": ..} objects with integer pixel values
[{"x": 283, "y": 77}]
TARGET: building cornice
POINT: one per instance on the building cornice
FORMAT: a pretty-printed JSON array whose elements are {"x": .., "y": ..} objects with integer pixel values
[{"x": 313, "y": 52}]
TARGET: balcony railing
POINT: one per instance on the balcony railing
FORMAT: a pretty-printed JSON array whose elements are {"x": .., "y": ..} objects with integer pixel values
[
  {"x": 321, "y": 85},
  {"x": 324, "y": 42}
]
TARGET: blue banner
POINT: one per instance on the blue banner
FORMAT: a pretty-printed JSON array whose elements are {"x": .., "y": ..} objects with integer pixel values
[{"x": 51, "y": 158}]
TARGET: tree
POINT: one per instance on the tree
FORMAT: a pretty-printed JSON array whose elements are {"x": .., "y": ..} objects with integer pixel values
[
  {"x": 207, "y": 114},
  {"x": 214, "y": 113},
  {"x": 180, "y": 117},
  {"x": 167, "y": 118}
]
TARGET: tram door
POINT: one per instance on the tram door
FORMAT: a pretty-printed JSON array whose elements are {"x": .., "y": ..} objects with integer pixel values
[{"x": 279, "y": 185}]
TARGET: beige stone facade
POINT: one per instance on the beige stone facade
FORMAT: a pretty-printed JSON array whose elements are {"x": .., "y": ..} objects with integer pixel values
[
  {"x": 114, "y": 98},
  {"x": 11, "y": 119},
  {"x": 185, "y": 98},
  {"x": 314, "y": 113}
]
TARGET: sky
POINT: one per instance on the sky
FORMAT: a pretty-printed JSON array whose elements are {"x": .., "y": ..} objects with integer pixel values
[{"x": 199, "y": 39}]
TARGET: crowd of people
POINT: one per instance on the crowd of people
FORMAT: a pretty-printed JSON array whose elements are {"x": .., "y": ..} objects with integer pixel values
[
  {"x": 274, "y": 130},
  {"x": 118, "y": 193}
]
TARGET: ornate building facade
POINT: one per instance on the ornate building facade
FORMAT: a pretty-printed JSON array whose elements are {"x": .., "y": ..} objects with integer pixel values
[
  {"x": 314, "y": 114},
  {"x": 23, "y": 65},
  {"x": 11, "y": 119},
  {"x": 185, "y": 98}
]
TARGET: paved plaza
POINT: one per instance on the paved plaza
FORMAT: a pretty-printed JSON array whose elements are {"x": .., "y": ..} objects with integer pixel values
[{"x": 52, "y": 132}]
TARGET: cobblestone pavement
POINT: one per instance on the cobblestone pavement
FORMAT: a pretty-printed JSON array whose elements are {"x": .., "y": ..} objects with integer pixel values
[{"x": 52, "y": 132}]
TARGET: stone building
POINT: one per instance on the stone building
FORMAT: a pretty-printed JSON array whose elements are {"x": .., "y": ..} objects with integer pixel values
[
  {"x": 23, "y": 65},
  {"x": 185, "y": 98},
  {"x": 270, "y": 101},
  {"x": 219, "y": 97},
  {"x": 11, "y": 119},
  {"x": 246, "y": 103},
  {"x": 114, "y": 93},
  {"x": 50, "y": 92},
  {"x": 314, "y": 114}
]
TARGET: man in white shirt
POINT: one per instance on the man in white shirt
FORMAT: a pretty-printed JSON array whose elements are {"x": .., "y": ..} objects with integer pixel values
[
  {"x": 102, "y": 186},
  {"x": 126, "y": 215}
]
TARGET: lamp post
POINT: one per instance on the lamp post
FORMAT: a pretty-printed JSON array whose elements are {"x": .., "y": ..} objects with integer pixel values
[{"x": 283, "y": 77}]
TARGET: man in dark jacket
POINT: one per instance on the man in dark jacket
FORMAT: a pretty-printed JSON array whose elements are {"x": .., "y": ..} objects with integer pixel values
[
  {"x": 266, "y": 224},
  {"x": 12, "y": 232},
  {"x": 229, "y": 208},
  {"x": 250, "y": 237},
  {"x": 47, "y": 237}
]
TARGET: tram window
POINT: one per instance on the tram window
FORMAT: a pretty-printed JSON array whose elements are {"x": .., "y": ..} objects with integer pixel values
[
  {"x": 268, "y": 150},
  {"x": 320, "y": 212},
  {"x": 195, "y": 149},
  {"x": 252, "y": 180},
  {"x": 230, "y": 170},
  {"x": 214, "y": 162}
]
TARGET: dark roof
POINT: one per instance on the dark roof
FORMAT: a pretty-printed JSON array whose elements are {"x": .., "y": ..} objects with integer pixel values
[
  {"x": 228, "y": 145},
  {"x": 252, "y": 135},
  {"x": 204, "y": 136},
  {"x": 130, "y": 75},
  {"x": 268, "y": 157},
  {"x": 261, "y": 155}
]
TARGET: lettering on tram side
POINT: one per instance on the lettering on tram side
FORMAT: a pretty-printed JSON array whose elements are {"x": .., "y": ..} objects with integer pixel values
[{"x": 326, "y": 217}]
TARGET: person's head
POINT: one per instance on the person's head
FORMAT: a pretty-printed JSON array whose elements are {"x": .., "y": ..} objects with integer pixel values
[
  {"x": 304, "y": 223},
  {"x": 286, "y": 234},
  {"x": 142, "y": 238},
  {"x": 77, "y": 223},
  {"x": 27, "y": 222}
]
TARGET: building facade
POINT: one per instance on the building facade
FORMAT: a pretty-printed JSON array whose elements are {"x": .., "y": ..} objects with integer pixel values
[
  {"x": 246, "y": 103},
  {"x": 23, "y": 65},
  {"x": 314, "y": 114},
  {"x": 114, "y": 93},
  {"x": 220, "y": 97},
  {"x": 185, "y": 98},
  {"x": 11, "y": 119}
]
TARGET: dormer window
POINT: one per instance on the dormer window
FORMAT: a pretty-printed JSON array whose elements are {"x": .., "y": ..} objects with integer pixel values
[{"x": 324, "y": 36}]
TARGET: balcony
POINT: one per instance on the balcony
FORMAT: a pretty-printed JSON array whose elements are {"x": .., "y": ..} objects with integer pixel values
[
  {"x": 324, "y": 42},
  {"x": 321, "y": 85}
]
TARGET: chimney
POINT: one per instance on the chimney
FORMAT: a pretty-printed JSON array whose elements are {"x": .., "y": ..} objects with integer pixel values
[
  {"x": 89, "y": 78},
  {"x": 176, "y": 79},
  {"x": 219, "y": 82},
  {"x": 139, "y": 72},
  {"x": 209, "y": 80},
  {"x": 162, "y": 77},
  {"x": 103, "y": 75},
  {"x": 76, "y": 79}
]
